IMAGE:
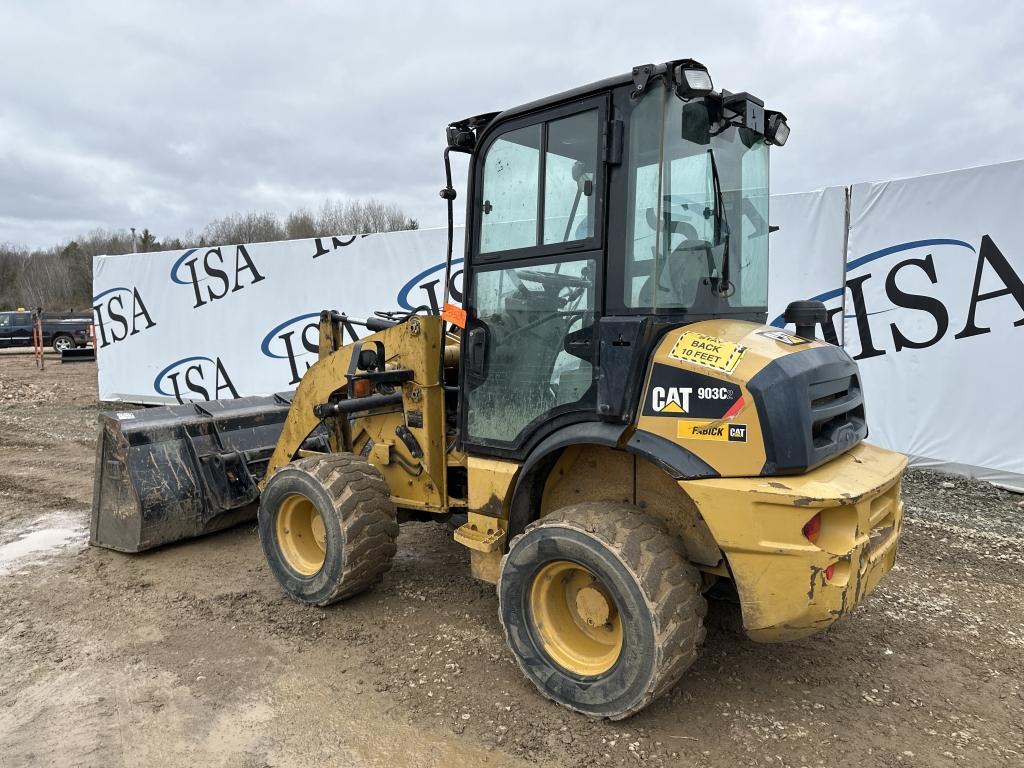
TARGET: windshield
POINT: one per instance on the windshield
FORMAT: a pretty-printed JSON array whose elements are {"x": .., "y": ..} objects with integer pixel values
[{"x": 697, "y": 222}]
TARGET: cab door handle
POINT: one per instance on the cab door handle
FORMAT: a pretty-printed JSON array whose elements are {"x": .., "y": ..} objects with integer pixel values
[{"x": 476, "y": 350}]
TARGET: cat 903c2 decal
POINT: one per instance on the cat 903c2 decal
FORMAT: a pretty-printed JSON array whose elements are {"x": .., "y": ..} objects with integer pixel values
[{"x": 686, "y": 394}]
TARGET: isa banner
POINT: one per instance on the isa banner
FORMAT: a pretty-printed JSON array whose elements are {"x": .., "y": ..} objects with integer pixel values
[
  {"x": 934, "y": 316},
  {"x": 237, "y": 320},
  {"x": 808, "y": 252}
]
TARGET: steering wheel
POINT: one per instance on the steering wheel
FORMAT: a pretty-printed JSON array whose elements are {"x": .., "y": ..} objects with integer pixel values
[
  {"x": 553, "y": 279},
  {"x": 552, "y": 283}
]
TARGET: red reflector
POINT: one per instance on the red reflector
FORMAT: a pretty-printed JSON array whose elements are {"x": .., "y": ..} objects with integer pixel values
[
  {"x": 829, "y": 572},
  {"x": 812, "y": 528},
  {"x": 362, "y": 387}
]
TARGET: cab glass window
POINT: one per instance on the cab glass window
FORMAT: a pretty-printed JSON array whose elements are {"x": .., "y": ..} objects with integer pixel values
[
  {"x": 511, "y": 191},
  {"x": 570, "y": 167},
  {"x": 540, "y": 323},
  {"x": 539, "y": 184},
  {"x": 697, "y": 216}
]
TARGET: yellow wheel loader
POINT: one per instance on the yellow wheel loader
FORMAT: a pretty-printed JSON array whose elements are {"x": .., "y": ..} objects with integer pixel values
[{"x": 607, "y": 420}]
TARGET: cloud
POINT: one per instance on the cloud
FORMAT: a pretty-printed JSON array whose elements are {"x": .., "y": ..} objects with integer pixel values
[{"x": 168, "y": 115}]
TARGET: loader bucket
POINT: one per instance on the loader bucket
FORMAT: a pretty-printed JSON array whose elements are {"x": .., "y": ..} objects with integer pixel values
[{"x": 174, "y": 472}]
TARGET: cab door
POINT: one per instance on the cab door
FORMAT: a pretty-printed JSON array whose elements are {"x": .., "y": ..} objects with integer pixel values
[
  {"x": 534, "y": 280},
  {"x": 21, "y": 329},
  {"x": 6, "y": 319}
]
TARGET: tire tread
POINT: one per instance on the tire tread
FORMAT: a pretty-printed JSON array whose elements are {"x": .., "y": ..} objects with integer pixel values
[
  {"x": 672, "y": 587},
  {"x": 369, "y": 524}
]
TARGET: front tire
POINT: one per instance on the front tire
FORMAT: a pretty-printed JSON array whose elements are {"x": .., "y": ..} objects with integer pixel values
[
  {"x": 327, "y": 527},
  {"x": 601, "y": 608}
]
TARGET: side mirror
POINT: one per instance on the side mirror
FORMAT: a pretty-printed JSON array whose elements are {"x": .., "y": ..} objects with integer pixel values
[{"x": 696, "y": 123}]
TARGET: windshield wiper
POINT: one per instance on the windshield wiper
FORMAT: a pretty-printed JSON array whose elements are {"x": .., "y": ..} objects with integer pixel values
[{"x": 724, "y": 287}]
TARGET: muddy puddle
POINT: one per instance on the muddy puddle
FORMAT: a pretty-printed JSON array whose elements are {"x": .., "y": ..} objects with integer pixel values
[{"x": 42, "y": 538}]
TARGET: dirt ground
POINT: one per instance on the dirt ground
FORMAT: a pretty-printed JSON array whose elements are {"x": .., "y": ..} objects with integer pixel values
[{"x": 191, "y": 655}]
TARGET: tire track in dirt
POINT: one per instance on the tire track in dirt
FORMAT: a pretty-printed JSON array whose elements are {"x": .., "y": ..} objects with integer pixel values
[{"x": 37, "y": 497}]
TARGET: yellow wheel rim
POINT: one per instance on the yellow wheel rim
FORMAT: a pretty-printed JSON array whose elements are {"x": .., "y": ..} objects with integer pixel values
[
  {"x": 301, "y": 535},
  {"x": 576, "y": 618}
]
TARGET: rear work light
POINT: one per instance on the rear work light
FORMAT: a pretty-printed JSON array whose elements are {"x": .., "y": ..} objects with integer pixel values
[
  {"x": 812, "y": 528},
  {"x": 776, "y": 128}
]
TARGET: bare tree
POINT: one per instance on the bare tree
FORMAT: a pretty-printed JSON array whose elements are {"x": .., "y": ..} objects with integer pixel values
[
  {"x": 301, "y": 224},
  {"x": 189, "y": 240},
  {"x": 12, "y": 260},
  {"x": 244, "y": 228},
  {"x": 355, "y": 217}
]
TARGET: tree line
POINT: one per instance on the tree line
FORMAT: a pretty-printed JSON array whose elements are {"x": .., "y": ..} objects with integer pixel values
[{"x": 59, "y": 278}]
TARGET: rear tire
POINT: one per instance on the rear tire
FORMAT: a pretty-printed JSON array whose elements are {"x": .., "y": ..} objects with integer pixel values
[
  {"x": 328, "y": 527},
  {"x": 62, "y": 342},
  {"x": 645, "y": 595}
]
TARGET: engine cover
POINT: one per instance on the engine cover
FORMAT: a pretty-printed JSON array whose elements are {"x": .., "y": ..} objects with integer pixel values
[{"x": 752, "y": 400}]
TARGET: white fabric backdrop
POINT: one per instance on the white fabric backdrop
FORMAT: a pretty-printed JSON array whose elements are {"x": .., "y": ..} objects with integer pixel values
[
  {"x": 210, "y": 325},
  {"x": 232, "y": 321},
  {"x": 939, "y": 388},
  {"x": 807, "y": 252}
]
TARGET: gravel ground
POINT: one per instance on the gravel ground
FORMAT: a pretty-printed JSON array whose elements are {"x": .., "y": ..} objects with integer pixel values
[{"x": 191, "y": 655}]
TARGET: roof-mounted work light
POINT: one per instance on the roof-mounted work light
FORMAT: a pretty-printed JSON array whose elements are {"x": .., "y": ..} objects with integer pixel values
[
  {"x": 692, "y": 79},
  {"x": 776, "y": 128}
]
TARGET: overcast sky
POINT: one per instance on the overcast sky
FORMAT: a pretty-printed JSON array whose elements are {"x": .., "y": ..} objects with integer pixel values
[{"x": 168, "y": 115}]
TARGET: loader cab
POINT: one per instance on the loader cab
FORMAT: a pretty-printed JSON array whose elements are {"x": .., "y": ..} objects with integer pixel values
[{"x": 596, "y": 220}]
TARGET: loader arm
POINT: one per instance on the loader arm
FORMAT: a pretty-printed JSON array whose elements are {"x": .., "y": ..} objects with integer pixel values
[
  {"x": 391, "y": 412},
  {"x": 322, "y": 380}
]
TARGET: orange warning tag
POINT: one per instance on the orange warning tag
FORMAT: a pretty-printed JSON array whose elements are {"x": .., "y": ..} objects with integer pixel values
[{"x": 454, "y": 315}]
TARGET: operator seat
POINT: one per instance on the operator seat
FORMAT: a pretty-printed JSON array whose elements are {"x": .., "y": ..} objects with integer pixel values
[{"x": 678, "y": 276}]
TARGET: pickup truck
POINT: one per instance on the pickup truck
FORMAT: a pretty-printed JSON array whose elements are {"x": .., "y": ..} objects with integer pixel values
[{"x": 59, "y": 331}]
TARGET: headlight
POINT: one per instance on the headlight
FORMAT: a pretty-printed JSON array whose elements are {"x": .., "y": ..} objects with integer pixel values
[{"x": 776, "y": 129}]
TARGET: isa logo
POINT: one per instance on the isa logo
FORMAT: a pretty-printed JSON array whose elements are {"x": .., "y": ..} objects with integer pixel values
[
  {"x": 297, "y": 340},
  {"x": 120, "y": 313},
  {"x": 195, "y": 378},
  {"x": 423, "y": 293},
  {"x": 213, "y": 275},
  {"x": 916, "y": 294}
]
